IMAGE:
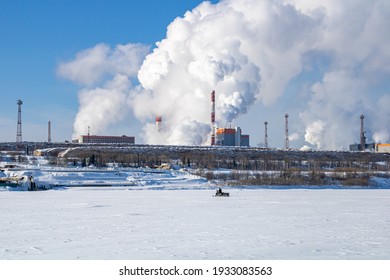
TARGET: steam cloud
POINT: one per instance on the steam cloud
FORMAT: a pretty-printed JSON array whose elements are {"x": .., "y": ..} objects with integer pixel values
[
  {"x": 106, "y": 74},
  {"x": 248, "y": 51}
]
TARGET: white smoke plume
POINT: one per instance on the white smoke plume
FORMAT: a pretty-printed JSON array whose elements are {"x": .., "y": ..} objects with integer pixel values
[
  {"x": 250, "y": 51},
  {"x": 101, "y": 106},
  {"x": 106, "y": 74},
  {"x": 293, "y": 137}
]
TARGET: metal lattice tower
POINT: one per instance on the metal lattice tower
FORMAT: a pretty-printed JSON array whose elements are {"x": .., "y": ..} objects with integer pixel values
[
  {"x": 286, "y": 141},
  {"x": 19, "y": 126},
  {"x": 266, "y": 134},
  {"x": 362, "y": 136}
]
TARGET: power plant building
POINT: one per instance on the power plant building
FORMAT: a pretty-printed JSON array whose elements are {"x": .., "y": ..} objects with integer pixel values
[
  {"x": 98, "y": 139},
  {"x": 382, "y": 148},
  {"x": 231, "y": 137},
  {"x": 378, "y": 148},
  {"x": 359, "y": 147},
  {"x": 245, "y": 140}
]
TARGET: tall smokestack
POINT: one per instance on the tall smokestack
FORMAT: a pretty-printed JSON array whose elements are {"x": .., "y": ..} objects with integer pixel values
[
  {"x": 49, "y": 132},
  {"x": 362, "y": 137},
  {"x": 158, "y": 123},
  {"x": 213, "y": 118},
  {"x": 286, "y": 141},
  {"x": 266, "y": 134}
]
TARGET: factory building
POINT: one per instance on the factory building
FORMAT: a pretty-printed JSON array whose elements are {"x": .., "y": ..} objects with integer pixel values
[
  {"x": 358, "y": 147},
  {"x": 231, "y": 137},
  {"x": 378, "y": 148},
  {"x": 245, "y": 140},
  {"x": 98, "y": 139},
  {"x": 382, "y": 148}
]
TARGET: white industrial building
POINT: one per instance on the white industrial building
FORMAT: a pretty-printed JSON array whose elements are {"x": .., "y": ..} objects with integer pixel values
[{"x": 382, "y": 148}]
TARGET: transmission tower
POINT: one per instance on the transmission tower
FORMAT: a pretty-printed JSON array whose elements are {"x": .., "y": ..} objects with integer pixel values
[
  {"x": 286, "y": 141},
  {"x": 19, "y": 127},
  {"x": 362, "y": 132}
]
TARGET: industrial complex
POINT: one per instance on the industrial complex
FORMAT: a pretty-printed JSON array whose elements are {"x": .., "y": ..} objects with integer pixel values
[
  {"x": 220, "y": 136},
  {"x": 225, "y": 136}
]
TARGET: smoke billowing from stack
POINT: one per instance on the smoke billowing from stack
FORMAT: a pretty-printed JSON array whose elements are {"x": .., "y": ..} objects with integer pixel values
[
  {"x": 105, "y": 75},
  {"x": 335, "y": 53}
]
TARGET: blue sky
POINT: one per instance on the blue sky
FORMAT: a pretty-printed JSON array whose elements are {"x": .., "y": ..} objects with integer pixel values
[
  {"x": 323, "y": 63},
  {"x": 37, "y": 35}
]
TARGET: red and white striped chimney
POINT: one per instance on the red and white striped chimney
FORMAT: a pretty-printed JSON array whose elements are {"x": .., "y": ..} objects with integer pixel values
[
  {"x": 213, "y": 118},
  {"x": 158, "y": 123}
]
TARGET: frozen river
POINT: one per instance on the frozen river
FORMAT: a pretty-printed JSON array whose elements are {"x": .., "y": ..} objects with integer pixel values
[{"x": 118, "y": 223}]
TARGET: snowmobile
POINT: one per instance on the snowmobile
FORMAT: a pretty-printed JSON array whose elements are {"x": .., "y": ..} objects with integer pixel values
[{"x": 219, "y": 192}]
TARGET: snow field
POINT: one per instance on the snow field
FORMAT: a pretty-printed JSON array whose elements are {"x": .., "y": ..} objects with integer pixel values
[{"x": 112, "y": 223}]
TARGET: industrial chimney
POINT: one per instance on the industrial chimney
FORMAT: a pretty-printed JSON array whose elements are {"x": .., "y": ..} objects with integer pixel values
[
  {"x": 213, "y": 118},
  {"x": 158, "y": 123},
  {"x": 49, "y": 132}
]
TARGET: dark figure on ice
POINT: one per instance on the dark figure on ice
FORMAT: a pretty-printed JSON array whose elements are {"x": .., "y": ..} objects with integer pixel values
[
  {"x": 32, "y": 186},
  {"x": 221, "y": 193}
]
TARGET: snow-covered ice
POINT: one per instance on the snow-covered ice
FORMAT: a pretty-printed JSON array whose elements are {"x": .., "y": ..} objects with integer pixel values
[
  {"x": 48, "y": 177},
  {"x": 174, "y": 223},
  {"x": 171, "y": 214}
]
